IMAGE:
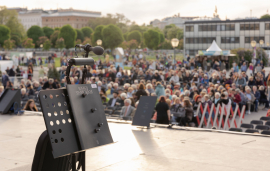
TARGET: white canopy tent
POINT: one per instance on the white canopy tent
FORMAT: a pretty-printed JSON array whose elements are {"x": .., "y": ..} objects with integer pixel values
[
  {"x": 214, "y": 47},
  {"x": 214, "y": 50}
]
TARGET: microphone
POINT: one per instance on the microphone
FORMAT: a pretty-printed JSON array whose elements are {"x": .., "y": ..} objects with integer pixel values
[{"x": 97, "y": 49}]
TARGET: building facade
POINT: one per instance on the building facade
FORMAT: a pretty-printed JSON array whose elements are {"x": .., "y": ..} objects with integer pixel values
[
  {"x": 29, "y": 18},
  {"x": 228, "y": 34},
  {"x": 176, "y": 19},
  {"x": 76, "y": 18}
]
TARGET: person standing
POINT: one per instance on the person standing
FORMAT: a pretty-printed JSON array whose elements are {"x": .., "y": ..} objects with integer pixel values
[
  {"x": 163, "y": 111},
  {"x": 5, "y": 79}
]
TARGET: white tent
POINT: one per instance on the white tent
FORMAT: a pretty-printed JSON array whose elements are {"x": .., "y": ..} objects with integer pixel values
[{"x": 214, "y": 47}]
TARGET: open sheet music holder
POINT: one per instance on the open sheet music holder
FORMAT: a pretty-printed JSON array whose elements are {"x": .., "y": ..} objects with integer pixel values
[{"x": 75, "y": 120}]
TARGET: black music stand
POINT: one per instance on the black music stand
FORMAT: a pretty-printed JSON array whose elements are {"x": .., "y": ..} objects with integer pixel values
[{"x": 75, "y": 121}]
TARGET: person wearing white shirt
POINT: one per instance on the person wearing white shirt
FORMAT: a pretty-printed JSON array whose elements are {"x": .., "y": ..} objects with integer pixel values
[
  {"x": 175, "y": 78},
  {"x": 127, "y": 109}
]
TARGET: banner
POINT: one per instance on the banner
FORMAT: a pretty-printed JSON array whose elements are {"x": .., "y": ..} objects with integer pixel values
[{"x": 214, "y": 53}]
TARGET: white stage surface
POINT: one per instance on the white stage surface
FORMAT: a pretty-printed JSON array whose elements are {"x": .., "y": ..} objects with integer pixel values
[{"x": 156, "y": 149}]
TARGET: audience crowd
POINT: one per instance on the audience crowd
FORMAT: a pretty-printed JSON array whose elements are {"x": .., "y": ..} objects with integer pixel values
[{"x": 179, "y": 88}]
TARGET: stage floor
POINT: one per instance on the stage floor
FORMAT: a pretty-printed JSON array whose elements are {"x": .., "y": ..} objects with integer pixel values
[{"x": 145, "y": 150}]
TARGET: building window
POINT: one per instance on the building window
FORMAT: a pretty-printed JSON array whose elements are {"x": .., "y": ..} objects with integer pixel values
[
  {"x": 190, "y": 28},
  {"x": 199, "y": 40},
  {"x": 223, "y": 27},
  {"x": 249, "y": 27},
  {"x": 257, "y": 39},
  {"x": 267, "y": 26},
  {"x": 229, "y": 39}
]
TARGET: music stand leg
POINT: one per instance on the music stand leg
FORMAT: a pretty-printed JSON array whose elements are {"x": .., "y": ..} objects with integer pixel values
[
  {"x": 83, "y": 161},
  {"x": 73, "y": 162}
]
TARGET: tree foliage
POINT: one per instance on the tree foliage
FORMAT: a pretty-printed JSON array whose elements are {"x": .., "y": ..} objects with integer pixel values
[
  {"x": 47, "y": 45},
  {"x": 78, "y": 41},
  {"x": 28, "y": 43},
  {"x": 97, "y": 33},
  {"x": 10, "y": 19},
  {"x": 167, "y": 28},
  {"x": 161, "y": 37},
  {"x": 4, "y": 34},
  {"x": 135, "y": 35},
  {"x": 151, "y": 39},
  {"x": 17, "y": 39},
  {"x": 265, "y": 16},
  {"x": 87, "y": 31},
  {"x": 165, "y": 45},
  {"x": 135, "y": 28},
  {"x": 47, "y": 31},
  {"x": 34, "y": 33},
  {"x": 41, "y": 40},
  {"x": 112, "y": 36},
  {"x": 87, "y": 41},
  {"x": 175, "y": 32},
  {"x": 60, "y": 43},
  {"x": 69, "y": 35},
  {"x": 54, "y": 37},
  {"x": 80, "y": 35},
  {"x": 9, "y": 44},
  {"x": 181, "y": 44},
  {"x": 132, "y": 44}
]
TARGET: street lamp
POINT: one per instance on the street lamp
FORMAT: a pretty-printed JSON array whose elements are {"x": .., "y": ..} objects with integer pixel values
[
  {"x": 253, "y": 44},
  {"x": 174, "y": 43},
  {"x": 41, "y": 46},
  {"x": 261, "y": 44},
  {"x": 99, "y": 42}
]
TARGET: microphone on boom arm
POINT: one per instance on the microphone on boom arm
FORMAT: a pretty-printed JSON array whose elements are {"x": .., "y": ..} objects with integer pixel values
[{"x": 88, "y": 48}]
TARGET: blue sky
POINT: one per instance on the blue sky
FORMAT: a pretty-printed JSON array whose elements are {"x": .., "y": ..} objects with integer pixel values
[{"x": 143, "y": 11}]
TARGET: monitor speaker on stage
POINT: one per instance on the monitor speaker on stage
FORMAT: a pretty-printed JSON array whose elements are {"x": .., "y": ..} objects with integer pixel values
[
  {"x": 144, "y": 111},
  {"x": 11, "y": 98}
]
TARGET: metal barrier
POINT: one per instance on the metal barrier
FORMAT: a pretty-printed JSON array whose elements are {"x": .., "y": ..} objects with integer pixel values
[{"x": 223, "y": 119}]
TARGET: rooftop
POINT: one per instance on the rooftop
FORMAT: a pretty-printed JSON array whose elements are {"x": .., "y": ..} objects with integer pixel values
[{"x": 226, "y": 21}]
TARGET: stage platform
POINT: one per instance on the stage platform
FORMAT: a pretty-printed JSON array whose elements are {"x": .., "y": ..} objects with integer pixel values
[{"x": 156, "y": 149}]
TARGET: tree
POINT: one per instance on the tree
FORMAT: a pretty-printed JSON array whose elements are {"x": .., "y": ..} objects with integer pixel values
[
  {"x": 78, "y": 41},
  {"x": 125, "y": 35},
  {"x": 80, "y": 35},
  {"x": 48, "y": 31},
  {"x": 135, "y": 28},
  {"x": 136, "y": 35},
  {"x": 87, "y": 31},
  {"x": 165, "y": 45},
  {"x": 4, "y": 34},
  {"x": 69, "y": 35},
  {"x": 60, "y": 43},
  {"x": 17, "y": 39},
  {"x": 174, "y": 32},
  {"x": 180, "y": 34},
  {"x": 124, "y": 45},
  {"x": 56, "y": 28},
  {"x": 9, "y": 44},
  {"x": 34, "y": 33},
  {"x": 151, "y": 39},
  {"x": 47, "y": 45},
  {"x": 132, "y": 44},
  {"x": 97, "y": 33},
  {"x": 54, "y": 37},
  {"x": 265, "y": 16},
  {"x": 10, "y": 19},
  {"x": 28, "y": 43},
  {"x": 181, "y": 44},
  {"x": 41, "y": 40},
  {"x": 87, "y": 41},
  {"x": 112, "y": 36},
  {"x": 167, "y": 28},
  {"x": 161, "y": 37}
]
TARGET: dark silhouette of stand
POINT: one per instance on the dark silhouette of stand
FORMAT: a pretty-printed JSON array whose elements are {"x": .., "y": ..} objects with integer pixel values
[{"x": 10, "y": 97}]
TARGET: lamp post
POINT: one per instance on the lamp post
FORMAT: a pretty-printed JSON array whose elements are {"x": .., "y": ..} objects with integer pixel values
[
  {"x": 41, "y": 46},
  {"x": 174, "y": 43},
  {"x": 267, "y": 44},
  {"x": 253, "y": 44},
  {"x": 261, "y": 44}
]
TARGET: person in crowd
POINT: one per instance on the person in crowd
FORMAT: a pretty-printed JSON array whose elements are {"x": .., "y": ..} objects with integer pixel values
[
  {"x": 263, "y": 97},
  {"x": 141, "y": 91},
  {"x": 127, "y": 110},
  {"x": 177, "y": 110},
  {"x": 36, "y": 87},
  {"x": 240, "y": 82},
  {"x": 9, "y": 85},
  {"x": 251, "y": 82},
  {"x": 51, "y": 84},
  {"x": 163, "y": 111},
  {"x": 258, "y": 68},
  {"x": 24, "y": 96},
  {"x": 113, "y": 100},
  {"x": 120, "y": 101},
  {"x": 250, "y": 99},
  {"x": 30, "y": 105},
  {"x": 5, "y": 78},
  {"x": 257, "y": 95},
  {"x": 160, "y": 91}
]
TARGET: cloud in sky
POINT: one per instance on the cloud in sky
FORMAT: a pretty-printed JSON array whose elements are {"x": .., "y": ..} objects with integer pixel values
[{"x": 143, "y": 11}]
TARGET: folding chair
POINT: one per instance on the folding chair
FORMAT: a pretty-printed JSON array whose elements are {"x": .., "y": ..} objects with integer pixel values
[
  {"x": 236, "y": 129},
  {"x": 247, "y": 126},
  {"x": 264, "y": 118},
  {"x": 267, "y": 123},
  {"x": 256, "y": 122},
  {"x": 262, "y": 127},
  {"x": 265, "y": 132},
  {"x": 252, "y": 131}
]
